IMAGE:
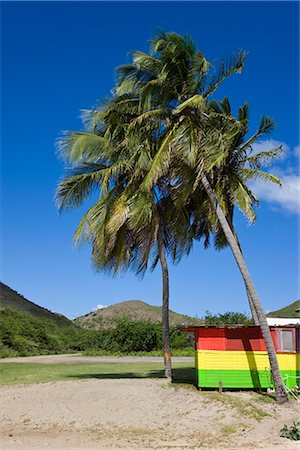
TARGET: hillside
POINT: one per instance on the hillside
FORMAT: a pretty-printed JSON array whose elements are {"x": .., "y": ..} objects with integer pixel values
[
  {"x": 13, "y": 300},
  {"x": 132, "y": 309},
  {"x": 288, "y": 311}
]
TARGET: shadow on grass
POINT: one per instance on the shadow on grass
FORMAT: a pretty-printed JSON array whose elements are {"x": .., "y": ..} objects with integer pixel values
[{"x": 180, "y": 375}]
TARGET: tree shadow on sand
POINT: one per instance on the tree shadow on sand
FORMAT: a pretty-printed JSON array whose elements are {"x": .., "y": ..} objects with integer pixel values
[{"x": 180, "y": 375}]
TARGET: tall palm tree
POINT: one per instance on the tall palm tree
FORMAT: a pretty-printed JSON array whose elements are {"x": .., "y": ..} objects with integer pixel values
[
  {"x": 174, "y": 87},
  {"x": 230, "y": 179},
  {"x": 126, "y": 227}
]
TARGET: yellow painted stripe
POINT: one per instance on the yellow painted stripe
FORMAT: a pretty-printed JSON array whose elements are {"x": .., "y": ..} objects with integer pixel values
[{"x": 238, "y": 360}]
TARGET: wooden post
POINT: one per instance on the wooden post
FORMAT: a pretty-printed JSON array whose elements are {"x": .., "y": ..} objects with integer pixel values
[{"x": 220, "y": 387}]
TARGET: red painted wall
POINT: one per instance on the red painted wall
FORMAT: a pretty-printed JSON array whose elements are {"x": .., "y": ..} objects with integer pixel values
[{"x": 238, "y": 339}]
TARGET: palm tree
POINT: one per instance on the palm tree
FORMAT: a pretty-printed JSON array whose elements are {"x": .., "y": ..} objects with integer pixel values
[
  {"x": 126, "y": 227},
  {"x": 230, "y": 179},
  {"x": 174, "y": 86}
]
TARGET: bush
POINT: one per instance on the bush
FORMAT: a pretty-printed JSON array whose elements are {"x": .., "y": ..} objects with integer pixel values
[
  {"x": 291, "y": 433},
  {"x": 180, "y": 340},
  {"x": 133, "y": 336},
  {"x": 228, "y": 318}
]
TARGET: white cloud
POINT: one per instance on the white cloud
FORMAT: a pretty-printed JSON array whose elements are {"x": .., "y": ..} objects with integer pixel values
[
  {"x": 101, "y": 306},
  {"x": 297, "y": 151},
  {"x": 287, "y": 196}
]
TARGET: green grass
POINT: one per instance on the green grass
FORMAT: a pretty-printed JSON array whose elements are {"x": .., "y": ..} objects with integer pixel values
[
  {"x": 227, "y": 430},
  {"x": 266, "y": 398},
  {"x": 27, "y": 373},
  {"x": 244, "y": 408}
]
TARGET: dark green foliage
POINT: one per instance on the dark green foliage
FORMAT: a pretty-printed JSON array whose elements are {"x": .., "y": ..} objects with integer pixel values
[
  {"x": 24, "y": 335},
  {"x": 292, "y": 433},
  {"x": 133, "y": 336},
  {"x": 181, "y": 340},
  {"x": 228, "y": 318},
  {"x": 130, "y": 336}
]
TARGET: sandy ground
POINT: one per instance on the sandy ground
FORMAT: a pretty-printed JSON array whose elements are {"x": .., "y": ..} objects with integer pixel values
[{"x": 137, "y": 414}]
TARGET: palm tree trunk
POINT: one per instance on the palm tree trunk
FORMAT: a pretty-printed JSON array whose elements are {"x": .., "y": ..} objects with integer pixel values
[
  {"x": 280, "y": 391},
  {"x": 252, "y": 307},
  {"x": 229, "y": 219},
  {"x": 165, "y": 307}
]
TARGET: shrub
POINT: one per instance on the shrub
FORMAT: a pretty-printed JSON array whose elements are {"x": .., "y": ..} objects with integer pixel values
[
  {"x": 291, "y": 433},
  {"x": 228, "y": 318}
]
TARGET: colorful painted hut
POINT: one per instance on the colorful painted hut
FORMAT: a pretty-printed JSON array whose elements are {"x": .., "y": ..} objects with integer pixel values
[{"x": 237, "y": 357}]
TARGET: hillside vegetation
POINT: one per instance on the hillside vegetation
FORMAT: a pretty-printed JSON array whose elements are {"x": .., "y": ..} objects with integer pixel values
[
  {"x": 24, "y": 335},
  {"x": 124, "y": 328},
  {"x": 133, "y": 310},
  {"x": 13, "y": 300},
  {"x": 288, "y": 311}
]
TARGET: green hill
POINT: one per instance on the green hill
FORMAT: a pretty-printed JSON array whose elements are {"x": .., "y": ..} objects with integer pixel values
[
  {"x": 133, "y": 310},
  {"x": 13, "y": 300},
  {"x": 288, "y": 311},
  {"x": 22, "y": 334},
  {"x": 29, "y": 329}
]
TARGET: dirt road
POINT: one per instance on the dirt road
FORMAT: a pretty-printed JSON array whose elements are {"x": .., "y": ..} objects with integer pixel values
[{"x": 71, "y": 359}]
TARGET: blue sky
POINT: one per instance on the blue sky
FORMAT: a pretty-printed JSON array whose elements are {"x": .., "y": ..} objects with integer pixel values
[{"x": 58, "y": 58}]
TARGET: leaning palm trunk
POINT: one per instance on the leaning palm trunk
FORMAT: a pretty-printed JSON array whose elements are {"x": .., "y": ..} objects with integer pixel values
[
  {"x": 252, "y": 309},
  {"x": 251, "y": 304},
  {"x": 165, "y": 308},
  {"x": 280, "y": 391}
]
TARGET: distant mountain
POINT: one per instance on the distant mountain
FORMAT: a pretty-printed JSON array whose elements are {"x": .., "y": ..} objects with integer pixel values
[
  {"x": 13, "y": 300},
  {"x": 132, "y": 309},
  {"x": 289, "y": 311}
]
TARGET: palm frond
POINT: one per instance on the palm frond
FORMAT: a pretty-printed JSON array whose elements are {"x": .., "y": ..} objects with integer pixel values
[
  {"x": 161, "y": 160},
  {"x": 266, "y": 126},
  {"x": 234, "y": 64},
  {"x": 243, "y": 114},
  {"x": 262, "y": 158},
  {"x": 119, "y": 214},
  {"x": 146, "y": 117},
  {"x": 252, "y": 174},
  {"x": 244, "y": 200},
  {"x": 76, "y": 146},
  {"x": 197, "y": 101},
  {"x": 93, "y": 120},
  {"x": 77, "y": 186},
  {"x": 84, "y": 230}
]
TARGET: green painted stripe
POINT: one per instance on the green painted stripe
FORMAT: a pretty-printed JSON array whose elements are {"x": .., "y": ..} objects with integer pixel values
[{"x": 241, "y": 378}]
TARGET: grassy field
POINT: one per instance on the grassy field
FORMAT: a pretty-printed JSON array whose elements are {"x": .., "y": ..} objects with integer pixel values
[{"x": 27, "y": 373}]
